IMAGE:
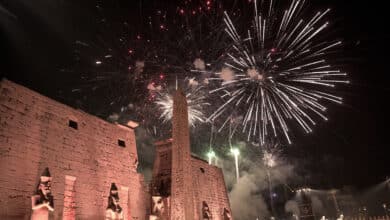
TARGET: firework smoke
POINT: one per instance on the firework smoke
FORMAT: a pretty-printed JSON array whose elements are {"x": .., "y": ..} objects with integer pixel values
[
  {"x": 246, "y": 198},
  {"x": 227, "y": 74},
  {"x": 199, "y": 64}
]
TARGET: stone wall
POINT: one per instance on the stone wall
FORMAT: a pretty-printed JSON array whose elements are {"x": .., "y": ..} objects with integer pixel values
[
  {"x": 208, "y": 183},
  {"x": 162, "y": 169},
  {"x": 38, "y": 132},
  {"x": 209, "y": 187}
]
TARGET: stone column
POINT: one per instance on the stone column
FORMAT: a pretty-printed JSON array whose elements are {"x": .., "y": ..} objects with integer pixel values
[
  {"x": 69, "y": 211},
  {"x": 124, "y": 202}
]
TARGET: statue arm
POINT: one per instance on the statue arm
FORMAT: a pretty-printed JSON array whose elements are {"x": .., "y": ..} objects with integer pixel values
[
  {"x": 35, "y": 206},
  {"x": 50, "y": 204},
  {"x": 49, "y": 207},
  {"x": 108, "y": 214},
  {"x": 120, "y": 215}
]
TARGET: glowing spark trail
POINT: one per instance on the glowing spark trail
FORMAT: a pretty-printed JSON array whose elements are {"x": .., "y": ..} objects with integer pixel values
[
  {"x": 236, "y": 153},
  {"x": 270, "y": 158},
  {"x": 281, "y": 72}
]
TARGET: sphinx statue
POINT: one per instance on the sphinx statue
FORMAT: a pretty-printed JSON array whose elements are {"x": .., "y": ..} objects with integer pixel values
[{"x": 42, "y": 200}]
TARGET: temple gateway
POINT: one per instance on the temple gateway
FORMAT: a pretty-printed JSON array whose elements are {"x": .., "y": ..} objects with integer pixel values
[{"x": 57, "y": 162}]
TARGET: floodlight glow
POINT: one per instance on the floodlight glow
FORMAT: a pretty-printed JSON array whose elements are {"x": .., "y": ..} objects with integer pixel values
[
  {"x": 235, "y": 151},
  {"x": 211, "y": 155}
]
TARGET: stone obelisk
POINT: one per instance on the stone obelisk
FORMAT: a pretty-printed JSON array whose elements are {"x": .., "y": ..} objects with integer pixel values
[{"x": 182, "y": 204}]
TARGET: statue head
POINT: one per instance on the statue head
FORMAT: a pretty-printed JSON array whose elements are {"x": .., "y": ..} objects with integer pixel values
[
  {"x": 158, "y": 205},
  {"x": 114, "y": 193},
  {"x": 44, "y": 186}
]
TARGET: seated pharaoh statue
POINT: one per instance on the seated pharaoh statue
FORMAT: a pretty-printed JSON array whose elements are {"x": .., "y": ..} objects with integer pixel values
[
  {"x": 42, "y": 200},
  {"x": 226, "y": 214},
  {"x": 114, "y": 211},
  {"x": 206, "y": 211}
]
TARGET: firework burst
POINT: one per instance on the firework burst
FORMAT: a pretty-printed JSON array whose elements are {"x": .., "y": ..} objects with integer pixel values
[
  {"x": 131, "y": 59},
  {"x": 281, "y": 71},
  {"x": 196, "y": 100},
  {"x": 271, "y": 157}
]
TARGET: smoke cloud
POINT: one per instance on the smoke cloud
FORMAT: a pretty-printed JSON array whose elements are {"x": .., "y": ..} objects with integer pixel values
[
  {"x": 113, "y": 117},
  {"x": 246, "y": 198},
  {"x": 139, "y": 66},
  {"x": 227, "y": 74},
  {"x": 146, "y": 152},
  {"x": 317, "y": 205},
  {"x": 292, "y": 207},
  {"x": 199, "y": 64}
]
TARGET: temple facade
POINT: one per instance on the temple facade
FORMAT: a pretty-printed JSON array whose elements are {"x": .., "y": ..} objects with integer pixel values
[
  {"x": 57, "y": 162},
  {"x": 84, "y": 154}
]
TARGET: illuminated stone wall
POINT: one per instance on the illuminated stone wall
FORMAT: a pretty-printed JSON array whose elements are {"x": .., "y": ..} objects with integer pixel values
[
  {"x": 209, "y": 187},
  {"x": 208, "y": 183},
  {"x": 84, "y": 154}
]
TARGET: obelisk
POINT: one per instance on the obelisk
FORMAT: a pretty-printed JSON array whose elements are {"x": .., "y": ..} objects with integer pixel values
[{"x": 182, "y": 204}]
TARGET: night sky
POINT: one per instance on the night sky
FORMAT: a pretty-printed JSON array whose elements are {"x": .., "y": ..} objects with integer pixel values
[{"x": 37, "y": 46}]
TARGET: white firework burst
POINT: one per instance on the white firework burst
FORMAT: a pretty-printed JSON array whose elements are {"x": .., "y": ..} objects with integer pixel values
[
  {"x": 196, "y": 101},
  {"x": 271, "y": 157},
  {"x": 281, "y": 70}
]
